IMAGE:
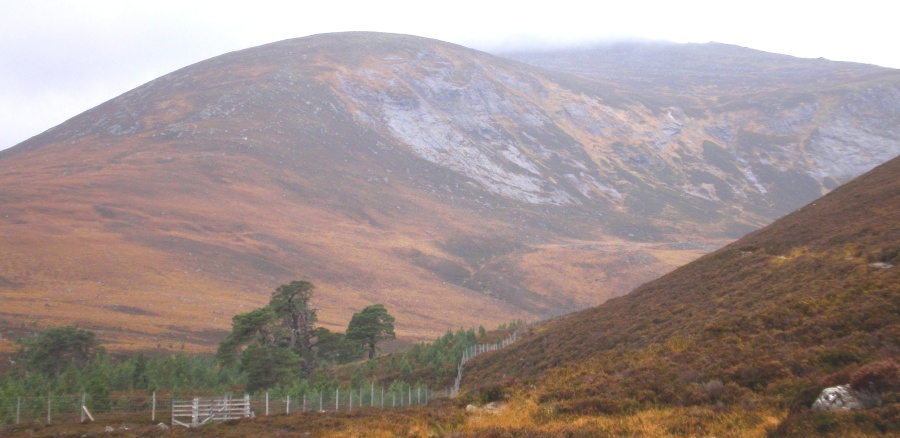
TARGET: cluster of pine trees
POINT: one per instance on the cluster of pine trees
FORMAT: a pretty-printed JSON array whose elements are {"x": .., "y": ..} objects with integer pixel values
[
  {"x": 280, "y": 342},
  {"x": 276, "y": 347}
]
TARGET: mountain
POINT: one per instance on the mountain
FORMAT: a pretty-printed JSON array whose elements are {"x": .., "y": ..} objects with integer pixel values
[
  {"x": 455, "y": 187},
  {"x": 713, "y": 70},
  {"x": 765, "y": 323}
]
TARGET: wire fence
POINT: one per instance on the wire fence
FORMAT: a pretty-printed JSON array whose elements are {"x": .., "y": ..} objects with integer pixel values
[
  {"x": 475, "y": 350},
  {"x": 156, "y": 408}
]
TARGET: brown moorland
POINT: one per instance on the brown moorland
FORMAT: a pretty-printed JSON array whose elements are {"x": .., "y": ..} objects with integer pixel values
[{"x": 737, "y": 343}]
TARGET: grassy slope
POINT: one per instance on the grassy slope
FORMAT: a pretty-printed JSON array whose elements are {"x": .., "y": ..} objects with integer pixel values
[{"x": 767, "y": 321}]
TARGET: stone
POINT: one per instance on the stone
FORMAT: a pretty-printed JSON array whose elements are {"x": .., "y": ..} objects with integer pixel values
[
  {"x": 493, "y": 408},
  {"x": 845, "y": 398}
]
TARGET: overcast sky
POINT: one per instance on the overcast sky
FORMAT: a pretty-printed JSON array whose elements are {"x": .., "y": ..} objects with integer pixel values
[{"x": 60, "y": 58}]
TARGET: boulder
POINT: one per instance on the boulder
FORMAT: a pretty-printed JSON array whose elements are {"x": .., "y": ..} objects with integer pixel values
[
  {"x": 493, "y": 408},
  {"x": 845, "y": 398},
  {"x": 490, "y": 408}
]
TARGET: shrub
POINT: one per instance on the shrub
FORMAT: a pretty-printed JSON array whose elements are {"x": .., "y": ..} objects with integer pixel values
[
  {"x": 713, "y": 388},
  {"x": 839, "y": 378},
  {"x": 823, "y": 422},
  {"x": 839, "y": 357},
  {"x": 757, "y": 375},
  {"x": 879, "y": 376},
  {"x": 598, "y": 405},
  {"x": 804, "y": 399},
  {"x": 492, "y": 393}
]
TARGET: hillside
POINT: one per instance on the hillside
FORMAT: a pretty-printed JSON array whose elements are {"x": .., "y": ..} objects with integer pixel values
[
  {"x": 455, "y": 187},
  {"x": 735, "y": 344},
  {"x": 769, "y": 320}
]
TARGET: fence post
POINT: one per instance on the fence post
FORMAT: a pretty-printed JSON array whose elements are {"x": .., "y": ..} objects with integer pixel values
[
  {"x": 246, "y": 405},
  {"x": 18, "y": 408},
  {"x": 48, "y": 408},
  {"x": 320, "y": 401},
  {"x": 195, "y": 412},
  {"x": 83, "y": 397},
  {"x": 351, "y": 399},
  {"x": 304, "y": 402},
  {"x": 337, "y": 398},
  {"x": 287, "y": 409},
  {"x": 372, "y": 397},
  {"x": 382, "y": 395},
  {"x": 153, "y": 409},
  {"x": 267, "y": 403}
]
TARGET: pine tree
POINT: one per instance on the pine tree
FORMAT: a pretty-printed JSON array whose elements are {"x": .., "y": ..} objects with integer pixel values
[{"x": 371, "y": 326}]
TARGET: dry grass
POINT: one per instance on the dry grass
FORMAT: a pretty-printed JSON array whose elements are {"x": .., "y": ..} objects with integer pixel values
[{"x": 524, "y": 416}]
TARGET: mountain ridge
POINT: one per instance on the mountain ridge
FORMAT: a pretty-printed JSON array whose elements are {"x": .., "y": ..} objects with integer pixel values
[
  {"x": 687, "y": 65},
  {"x": 395, "y": 169}
]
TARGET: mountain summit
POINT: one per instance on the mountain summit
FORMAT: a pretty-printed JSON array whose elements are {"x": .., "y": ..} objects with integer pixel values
[{"x": 456, "y": 187}]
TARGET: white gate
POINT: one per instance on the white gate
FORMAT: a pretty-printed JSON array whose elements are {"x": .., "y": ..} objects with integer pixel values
[{"x": 200, "y": 411}]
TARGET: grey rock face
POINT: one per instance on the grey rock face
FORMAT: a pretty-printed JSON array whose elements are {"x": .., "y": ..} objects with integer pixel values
[{"x": 845, "y": 398}]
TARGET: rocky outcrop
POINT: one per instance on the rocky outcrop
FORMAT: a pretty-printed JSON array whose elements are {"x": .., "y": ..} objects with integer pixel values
[{"x": 845, "y": 398}]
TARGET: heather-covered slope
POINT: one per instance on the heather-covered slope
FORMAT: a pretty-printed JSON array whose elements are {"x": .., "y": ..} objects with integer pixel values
[
  {"x": 771, "y": 319},
  {"x": 455, "y": 187}
]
